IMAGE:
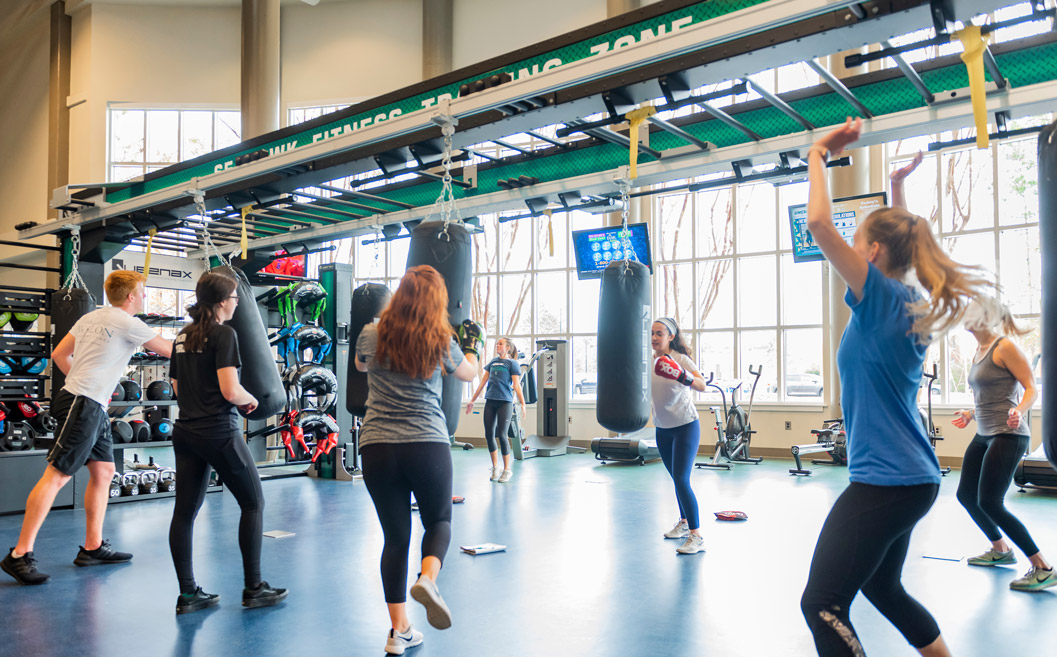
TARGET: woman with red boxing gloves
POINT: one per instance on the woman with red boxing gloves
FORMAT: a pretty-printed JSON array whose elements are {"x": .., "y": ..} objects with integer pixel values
[{"x": 678, "y": 427}]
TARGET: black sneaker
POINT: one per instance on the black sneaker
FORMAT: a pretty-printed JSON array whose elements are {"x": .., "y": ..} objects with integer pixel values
[
  {"x": 262, "y": 596},
  {"x": 23, "y": 569},
  {"x": 103, "y": 554},
  {"x": 188, "y": 602}
]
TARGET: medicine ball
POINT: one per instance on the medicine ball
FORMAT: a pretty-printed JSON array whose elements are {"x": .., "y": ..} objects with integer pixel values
[
  {"x": 159, "y": 391},
  {"x": 161, "y": 430},
  {"x": 121, "y": 431},
  {"x": 23, "y": 321},
  {"x": 140, "y": 431},
  {"x": 133, "y": 391},
  {"x": 119, "y": 393}
]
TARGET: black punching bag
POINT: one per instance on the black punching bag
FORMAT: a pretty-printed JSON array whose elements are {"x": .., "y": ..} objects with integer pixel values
[
  {"x": 67, "y": 306},
  {"x": 259, "y": 374},
  {"x": 1047, "y": 244},
  {"x": 624, "y": 320},
  {"x": 448, "y": 250},
  {"x": 368, "y": 301}
]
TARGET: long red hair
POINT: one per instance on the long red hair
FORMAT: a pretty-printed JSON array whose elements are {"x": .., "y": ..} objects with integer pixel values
[{"x": 414, "y": 333}]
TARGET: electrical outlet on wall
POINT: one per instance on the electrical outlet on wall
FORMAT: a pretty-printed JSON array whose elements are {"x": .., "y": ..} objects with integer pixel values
[
  {"x": 788, "y": 425},
  {"x": 938, "y": 430}
]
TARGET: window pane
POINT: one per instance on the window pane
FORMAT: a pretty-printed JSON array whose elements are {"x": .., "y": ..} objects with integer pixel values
[
  {"x": 196, "y": 134},
  {"x": 968, "y": 195},
  {"x": 759, "y": 348},
  {"x": 552, "y": 230},
  {"x": 715, "y": 355},
  {"x": 1018, "y": 171},
  {"x": 978, "y": 249},
  {"x": 552, "y": 314},
  {"x": 715, "y": 223},
  {"x": 801, "y": 292},
  {"x": 228, "y": 129},
  {"x": 585, "y": 367},
  {"x": 1031, "y": 345},
  {"x": 398, "y": 250},
  {"x": 803, "y": 363},
  {"x": 516, "y": 300},
  {"x": 795, "y": 76},
  {"x": 794, "y": 194},
  {"x": 162, "y": 135},
  {"x": 126, "y": 135},
  {"x": 756, "y": 291},
  {"x": 715, "y": 293},
  {"x": 585, "y": 305},
  {"x": 484, "y": 246},
  {"x": 485, "y": 302},
  {"x": 920, "y": 188},
  {"x": 516, "y": 245},
  {"x": 961, "y": 350},
  {"x": 1021, "y": 258},
  {"x": 675, "y": 294},
  {"x": 910, "y": 147},
  {"x": 756, "y": 227},
  {"x": 370, "y": 259},
  {"x": 123, "y": 173},
  {"x": 675, "y": 239}
]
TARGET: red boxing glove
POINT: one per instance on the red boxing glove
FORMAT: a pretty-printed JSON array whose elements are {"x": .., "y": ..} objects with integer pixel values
[{"x": 667, "y": 367}]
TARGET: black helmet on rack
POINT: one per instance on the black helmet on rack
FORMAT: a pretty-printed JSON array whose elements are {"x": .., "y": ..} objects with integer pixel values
[
  {"x": 314, "y": 338},
  {"x": 316, "y": 387},
  {"x": 307, "y": 293}
]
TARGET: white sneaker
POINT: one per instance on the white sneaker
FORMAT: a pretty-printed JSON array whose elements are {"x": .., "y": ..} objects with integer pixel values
[
  {"x": 692, "y": 545},
  {"x": 425, "y": 592},
  {"x": 497, "y": 471},
  {"x": 680, "y": 530},
  {"x": 397, "y": 643},
  {"x": 505, "y": 477}
]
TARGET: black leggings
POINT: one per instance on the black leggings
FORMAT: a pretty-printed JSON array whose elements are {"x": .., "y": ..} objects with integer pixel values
[
  {"x": 987, "y": 472},
  {"x": 497, "y": 414},
  {"x": 862, "y": 547},
  {"x": 392, "y": 471},
  {"x": 231, "y": 459}
]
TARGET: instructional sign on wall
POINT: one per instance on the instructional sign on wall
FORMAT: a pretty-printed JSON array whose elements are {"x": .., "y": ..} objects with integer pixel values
[{"x": 166, "y": 272}]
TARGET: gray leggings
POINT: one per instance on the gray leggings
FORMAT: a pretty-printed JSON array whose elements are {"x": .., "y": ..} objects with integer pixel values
[{"x": 497, "y": 415}]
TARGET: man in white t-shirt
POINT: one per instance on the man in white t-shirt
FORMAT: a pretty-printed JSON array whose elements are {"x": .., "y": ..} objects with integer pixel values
[{"x": 93, "y": 356}]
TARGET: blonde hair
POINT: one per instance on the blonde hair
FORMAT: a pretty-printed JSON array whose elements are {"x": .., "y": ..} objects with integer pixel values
[
  {"x": 121, "y": 283},
  {"x": 909, "y": 244},
  {"x": 989, "y": 314}
]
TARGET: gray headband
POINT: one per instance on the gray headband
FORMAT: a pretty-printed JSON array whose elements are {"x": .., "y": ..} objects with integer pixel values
[{"x": 669, "y": 324}]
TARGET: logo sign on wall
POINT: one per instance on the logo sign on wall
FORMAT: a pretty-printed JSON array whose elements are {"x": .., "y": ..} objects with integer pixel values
[{"x": 166, "y": 272}]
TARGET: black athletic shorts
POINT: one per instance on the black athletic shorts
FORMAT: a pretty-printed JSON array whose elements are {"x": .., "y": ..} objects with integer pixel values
[{"x": 84, "y": 433}]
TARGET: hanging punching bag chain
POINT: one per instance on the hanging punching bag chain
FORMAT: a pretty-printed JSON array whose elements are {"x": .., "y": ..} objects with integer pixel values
[
  {"x": 445, "y": 203},
  {"x": 200, "y": 208},
  {"x": 74, "y": 279},
  {"x": 624, "y": 184}
]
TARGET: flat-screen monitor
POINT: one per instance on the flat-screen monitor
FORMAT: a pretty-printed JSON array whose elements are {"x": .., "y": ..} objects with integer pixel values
[
  {"x": 597, "y": 247},
  {"x": 847, "y": 214}
]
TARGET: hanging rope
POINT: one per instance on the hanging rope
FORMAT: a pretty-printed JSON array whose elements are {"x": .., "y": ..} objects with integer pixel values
[
  {"x": 146, "y": 258},
  {"x": 244, "y": 242},
  {"x": 635, "y": 119},
  {"x": 550, "y": 230},
  {"x": 74, "y": 279},
  {"x": 974, "y": 44},
  {"x": 200, "y": 208},
  {"x": 445, "y": 204}
]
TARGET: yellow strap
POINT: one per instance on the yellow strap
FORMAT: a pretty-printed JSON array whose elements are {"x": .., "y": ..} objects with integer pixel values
[
  {"x": 245, "y": 241},
  {"x": 146, "y": 259},
  {"x": 550, "y": 230},
  {"x": 973, "y": 44},
  {"x": 636, "y": 117}
]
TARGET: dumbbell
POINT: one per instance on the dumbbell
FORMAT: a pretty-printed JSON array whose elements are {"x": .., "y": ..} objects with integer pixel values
[
  {"x": 122, "y": 431},
  {"x": 130, "y": 483},
  {"x": 161, "y": 429},
  {"x": 167, "y": 480},
  {"x": 148, "y": 482},
  {"x": 140, "y": 431},
  {"x": 115, "y": 485}
]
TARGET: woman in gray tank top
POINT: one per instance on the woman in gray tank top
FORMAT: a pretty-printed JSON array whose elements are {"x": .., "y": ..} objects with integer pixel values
[{"x": 1000, "y": 373}]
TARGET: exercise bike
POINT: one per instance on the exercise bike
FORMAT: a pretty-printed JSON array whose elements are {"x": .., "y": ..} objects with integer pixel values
[
  {"x": 830, "y": 438},
  {"x": 735, "y": 432},
  {"x": 930, "y": 426}
]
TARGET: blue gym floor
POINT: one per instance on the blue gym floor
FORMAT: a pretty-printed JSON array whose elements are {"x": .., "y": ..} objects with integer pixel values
[{"x": 586, "y": 572}]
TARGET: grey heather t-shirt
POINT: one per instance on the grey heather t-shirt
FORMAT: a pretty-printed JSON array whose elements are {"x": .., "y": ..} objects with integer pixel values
[{"x": 402, "y": 409}]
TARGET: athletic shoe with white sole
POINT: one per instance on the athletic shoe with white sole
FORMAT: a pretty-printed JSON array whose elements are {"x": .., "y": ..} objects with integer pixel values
[
  {"x": 692, "y": 545},
  {"x": 1036, "y": 579},
  {"x": 437, "y": 613},
  {"x": 993, "y": 558},
  {"x": 505, "y": 477},
  {"x": 680, "y": 530},
  {"x": 495, "y": 473},
  {"x": 398, "y": 642},
  {"x": 102, "y": 555}
]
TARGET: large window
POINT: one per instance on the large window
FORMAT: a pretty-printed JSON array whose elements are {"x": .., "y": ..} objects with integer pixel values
[{"x": 145, "y": 140}]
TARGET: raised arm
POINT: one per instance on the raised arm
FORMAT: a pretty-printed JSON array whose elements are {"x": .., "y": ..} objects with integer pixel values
[
  {"x": 851, "y": 266},
  {"x": 899, "y": 199}
]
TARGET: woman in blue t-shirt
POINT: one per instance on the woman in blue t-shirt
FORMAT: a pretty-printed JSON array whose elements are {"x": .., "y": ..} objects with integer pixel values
[
  {"x": 1004, "y": 391},
  {"x": 893, "y": 469},
  {"x": 502, "y": 375}
]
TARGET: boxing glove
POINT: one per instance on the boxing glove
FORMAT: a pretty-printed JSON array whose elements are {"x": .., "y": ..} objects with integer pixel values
[
  {"x": 471, "y": 337},
  {"x": 667, "y": 367}
]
